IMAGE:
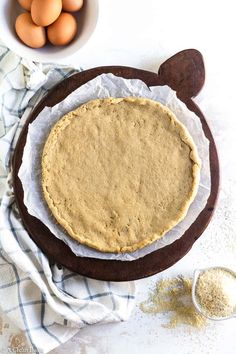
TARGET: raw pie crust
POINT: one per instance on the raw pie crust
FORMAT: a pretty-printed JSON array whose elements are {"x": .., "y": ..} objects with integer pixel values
[{"x": 118, "y": 173}]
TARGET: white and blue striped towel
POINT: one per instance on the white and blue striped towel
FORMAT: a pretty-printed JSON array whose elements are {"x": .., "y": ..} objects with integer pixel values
[{"x": 48, "y": 303}]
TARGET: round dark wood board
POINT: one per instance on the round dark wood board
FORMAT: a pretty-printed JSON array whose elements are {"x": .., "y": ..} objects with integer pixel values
[{"x": 185, "y": 73}]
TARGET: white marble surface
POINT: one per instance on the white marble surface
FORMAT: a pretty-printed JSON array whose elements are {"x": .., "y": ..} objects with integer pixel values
[{"x": 143, "y": 34}]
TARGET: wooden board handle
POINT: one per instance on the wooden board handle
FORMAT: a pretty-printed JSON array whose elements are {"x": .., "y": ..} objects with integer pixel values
[{"x": 184, "y": 72}]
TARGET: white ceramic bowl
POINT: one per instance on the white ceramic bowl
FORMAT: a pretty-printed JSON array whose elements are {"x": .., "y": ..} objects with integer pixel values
[{"x": 86, "y": 17}]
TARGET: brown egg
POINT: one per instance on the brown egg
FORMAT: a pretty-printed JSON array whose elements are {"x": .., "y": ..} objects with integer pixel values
[
  {"x": 63, "y": 30},
  {"x": 72, "y": 5},
  {"x": 31, "y": 34},
  {"x": 45, "y": 12},
  {"x": 26, "y": 4}
]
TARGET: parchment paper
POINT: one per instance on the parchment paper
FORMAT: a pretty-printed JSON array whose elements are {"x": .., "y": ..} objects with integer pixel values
[{"x": 108, "y": 85}]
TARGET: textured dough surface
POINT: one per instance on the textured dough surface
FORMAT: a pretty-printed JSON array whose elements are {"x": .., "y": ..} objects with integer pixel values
[{"x": 118, "y": 173}]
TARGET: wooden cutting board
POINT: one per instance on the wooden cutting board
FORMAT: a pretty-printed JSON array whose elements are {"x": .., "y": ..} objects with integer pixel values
[{"x": 184, "y": 72}]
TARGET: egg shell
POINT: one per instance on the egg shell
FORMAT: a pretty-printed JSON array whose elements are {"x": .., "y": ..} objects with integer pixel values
[
  {"x": 45, "y": 12},
  {"x": 32, "y": 35},
  {"x": 63, "y": 30},
  {"x": 72, "y": 5},
  {"x": 26, "y": 4}
]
